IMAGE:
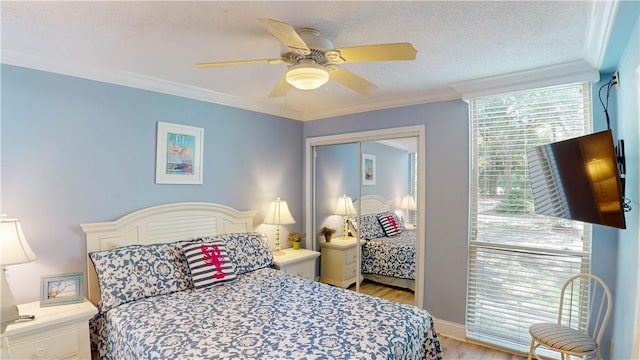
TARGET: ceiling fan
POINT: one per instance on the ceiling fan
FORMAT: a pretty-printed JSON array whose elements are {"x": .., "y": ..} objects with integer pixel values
[{"x": 313, "y": 61}]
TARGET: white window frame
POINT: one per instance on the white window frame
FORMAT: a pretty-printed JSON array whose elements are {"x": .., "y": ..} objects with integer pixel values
[{"x": 502, "y": 303}]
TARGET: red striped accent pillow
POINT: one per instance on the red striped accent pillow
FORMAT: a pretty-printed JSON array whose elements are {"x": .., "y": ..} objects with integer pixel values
[{"x": 389, "y": 224}]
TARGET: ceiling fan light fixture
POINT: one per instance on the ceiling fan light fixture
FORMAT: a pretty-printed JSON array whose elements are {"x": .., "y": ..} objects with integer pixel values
[{"x": 307, "y": 76}]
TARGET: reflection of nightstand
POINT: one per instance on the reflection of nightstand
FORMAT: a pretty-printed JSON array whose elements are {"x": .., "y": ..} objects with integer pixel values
[
  {"x": 300, "y": 263},
  {"x": 58, "y": 332},
  {"x": 338, "y": 263}
]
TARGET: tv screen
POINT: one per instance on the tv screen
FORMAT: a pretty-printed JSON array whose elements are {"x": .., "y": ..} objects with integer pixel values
[{"x": 578, "y": 179}]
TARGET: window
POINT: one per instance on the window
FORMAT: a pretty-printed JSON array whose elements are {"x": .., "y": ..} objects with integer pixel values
[
  {"x": 518, "y": 260},
  {"x": 413, "y": 184}
]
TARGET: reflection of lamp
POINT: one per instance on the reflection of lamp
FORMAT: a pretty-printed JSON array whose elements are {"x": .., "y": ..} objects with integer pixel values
[
  {"x": 307, "y": 75},
  {"x": 15, "y": 250},
  {"x": 278, "y": 214},
  {"x": 407, "y": 204},
  {"x": 599, "y": 170},
  {"x": 345, "y": 208}
]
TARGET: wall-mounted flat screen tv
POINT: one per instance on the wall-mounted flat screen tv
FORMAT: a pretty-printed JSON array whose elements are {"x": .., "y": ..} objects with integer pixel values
[{"x": 578, "y": 179}]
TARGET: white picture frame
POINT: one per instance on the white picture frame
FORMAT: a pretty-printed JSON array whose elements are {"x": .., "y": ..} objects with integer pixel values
[
  {"x": 179, "y": 150},
  {"x": 368, "y": 169}
]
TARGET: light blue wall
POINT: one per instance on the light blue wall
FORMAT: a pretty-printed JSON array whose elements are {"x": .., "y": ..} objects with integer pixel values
[
  {"x": 76, "y": 151},
  {"x": 628, "y": 128},
  {"x": 392, "y": 172},
  {"x": 447, "y": 192},
  {"x": 336, "y": 175},
  {"x": 604, "y": 244}
]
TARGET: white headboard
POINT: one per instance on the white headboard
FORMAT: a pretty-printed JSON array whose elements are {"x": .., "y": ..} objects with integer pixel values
[
  {"x": 372, "y": 204},
  {"x": 162, "y": 224}
]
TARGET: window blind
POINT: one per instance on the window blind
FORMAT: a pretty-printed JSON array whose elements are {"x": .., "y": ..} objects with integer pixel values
[
  {"x": 413, "y": 183},
  {"x": 518, "y": 260}
]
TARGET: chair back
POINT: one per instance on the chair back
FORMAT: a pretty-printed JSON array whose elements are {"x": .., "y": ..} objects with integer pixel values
[{"x": 585, "y": 305}]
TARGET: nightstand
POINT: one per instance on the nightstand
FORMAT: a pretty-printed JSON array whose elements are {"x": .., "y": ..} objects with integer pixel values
[
  {"x": 57, "y": 332},
  {"x": 300, "y": 263},
  {"x": 339, "y": 261}
]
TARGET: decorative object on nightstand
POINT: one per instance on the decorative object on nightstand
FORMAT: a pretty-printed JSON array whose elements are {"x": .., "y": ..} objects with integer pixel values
[
  {"x": 61, "y": 289},
  {"x": 60, "y": 332},
  {"x": 345, "y": 208},
  {"x": 15, "y": 250},
  {"x": 408, "y": 203},
  {"x": 295, "y": 238},
  {"x": 300, "y": 263},
  {"x": 327, "y": 232},
  {"x": 278, "y": 214}
]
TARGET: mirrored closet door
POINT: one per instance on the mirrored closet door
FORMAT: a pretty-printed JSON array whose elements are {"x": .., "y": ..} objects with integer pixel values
[{"x": 367, "y": 191}]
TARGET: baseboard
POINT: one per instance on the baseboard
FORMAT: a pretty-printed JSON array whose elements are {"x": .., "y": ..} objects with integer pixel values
[{"x": 450, "y": 329}]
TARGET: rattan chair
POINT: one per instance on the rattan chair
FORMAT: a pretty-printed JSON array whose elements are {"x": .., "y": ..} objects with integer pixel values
[{"x": 580, "y": 325}]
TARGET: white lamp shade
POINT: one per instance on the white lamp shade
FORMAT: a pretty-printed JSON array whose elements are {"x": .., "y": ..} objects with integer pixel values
[
  {"x": 408, "y": 203},
  {"x": 307, "y": 76},
  {"x": 15, "y": 249},
  {"x": 345, "y": 206},
  {"x": 279, "y": 213}
]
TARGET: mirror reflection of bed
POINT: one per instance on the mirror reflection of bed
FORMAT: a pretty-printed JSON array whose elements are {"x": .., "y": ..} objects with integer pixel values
[{"x": 387, "y": 264}]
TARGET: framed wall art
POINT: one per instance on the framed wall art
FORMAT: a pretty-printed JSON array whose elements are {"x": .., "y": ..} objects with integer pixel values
[
  {"x": 61, "y": 289},
  {"x": 368, "y": 169},
  {"x": 179, "y": 154}
]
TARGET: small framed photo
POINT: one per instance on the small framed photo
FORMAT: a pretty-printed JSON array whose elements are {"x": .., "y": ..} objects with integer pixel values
[
  {"x": 368, "y": 169},
  {"x": 179, "y": 154},
  {"x": 61, "y": 289}
]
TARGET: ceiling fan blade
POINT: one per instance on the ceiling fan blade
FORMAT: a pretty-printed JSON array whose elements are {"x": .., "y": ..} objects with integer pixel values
[
  {"x": 239, "y": 62},
  {"x": 281, "y": 88},
  {"x": 381, "y": 52},
  {"x": 352, "y": 81},
  {"x": 286, "y": 34}
]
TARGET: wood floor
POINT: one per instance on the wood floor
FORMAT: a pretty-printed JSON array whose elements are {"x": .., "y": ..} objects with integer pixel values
[
  {"x": 451, "y": 348},
  {"x": 400, "y": 295}
]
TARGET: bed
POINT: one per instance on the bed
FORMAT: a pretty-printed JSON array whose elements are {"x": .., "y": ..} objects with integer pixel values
[
  {"x": 152, "y": 304},
  {"x": 390, "y": 260}
]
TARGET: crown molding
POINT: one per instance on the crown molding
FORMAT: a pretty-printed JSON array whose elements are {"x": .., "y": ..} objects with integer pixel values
[
  {"x": 124, "y": 78},
  {"x": 566, "y": 73},
  {"x": 119, "y": 77},
  {"x": 430, "y": 97},
  {"x": 601, "y": 21}
]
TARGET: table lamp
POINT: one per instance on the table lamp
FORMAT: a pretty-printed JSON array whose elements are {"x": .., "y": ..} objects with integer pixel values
[
  {"x": 278, "y": 214},
  {"x": 345, "y": 208},
  {"x": 407, "y": 204},
  {"x": 15, "y": 250}
]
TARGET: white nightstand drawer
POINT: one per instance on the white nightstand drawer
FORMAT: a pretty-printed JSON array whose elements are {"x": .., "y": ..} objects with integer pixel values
[
  {"x": 350, "y": 271},
  {"x": 350, "y": 256},
  {"x": 304, "y": 270},
  {"x": 300, "y": 263},
  {"x": 58, "y": 332},
  {"x": 55, "y": 344}
]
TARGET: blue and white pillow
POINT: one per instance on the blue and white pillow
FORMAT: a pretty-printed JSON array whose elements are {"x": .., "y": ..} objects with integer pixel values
[
  {"x": 209, "y": 264},
  {"x": 248, "y": 251},
  {"x": 369, "y": 227},
  {"x": 134, "y": 272}
]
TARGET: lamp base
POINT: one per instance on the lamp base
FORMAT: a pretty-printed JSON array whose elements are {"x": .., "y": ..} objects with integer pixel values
[{"x": 278, "y": 253}]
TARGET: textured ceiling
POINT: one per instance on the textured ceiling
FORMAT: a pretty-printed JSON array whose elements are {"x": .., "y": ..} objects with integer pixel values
[{"x": 462, "y": 47}]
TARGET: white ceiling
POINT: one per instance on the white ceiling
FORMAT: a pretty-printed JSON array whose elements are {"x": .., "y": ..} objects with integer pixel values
[{"x": 464, "y": 48}]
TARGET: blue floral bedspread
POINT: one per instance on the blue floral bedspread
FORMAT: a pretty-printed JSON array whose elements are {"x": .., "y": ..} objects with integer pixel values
[
  {"x": 266, "y": 314},
  {"x": 391, "y": 256}
]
